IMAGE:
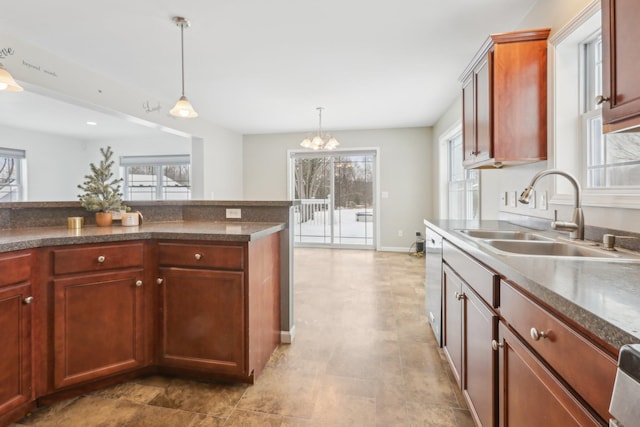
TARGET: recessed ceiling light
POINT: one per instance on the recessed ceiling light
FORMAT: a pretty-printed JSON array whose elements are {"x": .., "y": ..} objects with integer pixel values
[{"x": 92, "y": 123}]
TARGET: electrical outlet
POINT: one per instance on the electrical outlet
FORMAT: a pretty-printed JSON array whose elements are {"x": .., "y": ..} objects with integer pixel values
[
  {"x": 503, "y": 198},
  {"x": 234, "y": 213},
  {"x": 533, "y": 200},
  {"x": 400, "y": 233}
]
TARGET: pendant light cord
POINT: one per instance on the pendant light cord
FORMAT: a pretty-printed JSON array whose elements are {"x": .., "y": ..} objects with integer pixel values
[{"x": 182, "y": 52}]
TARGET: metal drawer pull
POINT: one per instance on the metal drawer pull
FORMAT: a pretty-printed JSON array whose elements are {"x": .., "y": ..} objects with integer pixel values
[
  {"x": 139, "y": 283},
  {"x": 495, "y": 345},
  {"x": 536, "y": 334},
  {"x": 459, "y": 296},
  {"x": 601, "y": 99},
  {"x": 28, "y": 300},
  {"x": 101, "y": 258},
  {"x": 159, "y": 281},
  {"x": 198, "y": 256}
]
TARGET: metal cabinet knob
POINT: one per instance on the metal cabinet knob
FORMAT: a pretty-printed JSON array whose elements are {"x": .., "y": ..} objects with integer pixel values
[
  {"x": 101, "y": 259},
  {"x": 159, "y": 281},
  {"x": 495, "y": 345},
  {"x": 602, "y": 99},
  {"x": 139, "y": 283},
  {"x": 459, "y": 296},
  {"x": 198, "y": 256},
  {"x": 28, "y": 300},
  {"x": 536, "y": 334}
]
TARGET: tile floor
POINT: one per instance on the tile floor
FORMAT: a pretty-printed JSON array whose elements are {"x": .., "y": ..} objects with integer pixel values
[{"x": 363, "y": 356}]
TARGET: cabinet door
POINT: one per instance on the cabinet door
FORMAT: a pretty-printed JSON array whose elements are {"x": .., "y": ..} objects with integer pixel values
[
  {"x": 98, "y": 326},
  {"x": 15, "y": 344},
  {"x": 479, "y": 385},
  {"x": 468, "y": 120},
  {"x": 202, "y": 320},
  {"x": 529, "y": 394},
  {"x": 452, "y": 314},
  {"x": 621, "y": 62},
  {"x": 483, "y": 86}
]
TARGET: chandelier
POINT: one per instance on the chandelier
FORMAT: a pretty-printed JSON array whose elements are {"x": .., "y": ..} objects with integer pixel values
[
  {"x": 183, "y": 107},
  {"x": 320, "y": 141}
]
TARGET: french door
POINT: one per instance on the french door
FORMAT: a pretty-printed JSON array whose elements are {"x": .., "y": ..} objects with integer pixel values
[{"x": 336, "y": 195}]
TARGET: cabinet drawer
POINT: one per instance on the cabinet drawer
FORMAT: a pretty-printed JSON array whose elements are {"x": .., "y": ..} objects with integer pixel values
[
  {"x": 586, "y": 368},
  {"x": 224, "y": 257},
  {"x": 483, "y": 281},
  {"x": 97, "y": 258},
  {"x": 15, "y": 268}
]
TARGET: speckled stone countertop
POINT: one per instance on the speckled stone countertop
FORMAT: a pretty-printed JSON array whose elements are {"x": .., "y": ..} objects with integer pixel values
[
  {"x": 26, "y": 238},
  {"x": 601, "y": 296}
]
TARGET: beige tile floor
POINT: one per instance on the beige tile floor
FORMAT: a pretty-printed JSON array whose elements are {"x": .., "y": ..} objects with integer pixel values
[{"x": 363, "y": 356}]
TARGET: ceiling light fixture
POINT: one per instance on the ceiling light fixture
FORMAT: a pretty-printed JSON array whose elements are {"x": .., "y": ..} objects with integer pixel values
[
  {"x": 320, "y": 141},
  {"x": 7, "y": 82},
  {"x": 183, "y": 107}
]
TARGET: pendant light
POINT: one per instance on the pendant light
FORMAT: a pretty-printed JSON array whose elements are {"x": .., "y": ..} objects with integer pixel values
[
  {"x": 7, "y": 82},
  {"x": 320, "y": 141},
  {"x": 183, "y": 107}
]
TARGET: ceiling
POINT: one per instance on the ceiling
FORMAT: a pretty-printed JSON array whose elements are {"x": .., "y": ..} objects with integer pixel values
[{"x": 256, "y": 66}]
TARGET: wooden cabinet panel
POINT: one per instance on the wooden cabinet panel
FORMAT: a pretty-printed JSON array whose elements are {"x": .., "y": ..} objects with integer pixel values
[
  {"x": 15, "y": 268},
  {"x": 223, "y": 257},
  {"x": 505, "y": 101},
  {"x": 452, "y": 325},
  {"x": 480, "y": 379},
  {"x": 97, "y": 258},
  {"x": 567, "y": 352},
  {"x": 484, "y": 282},
  {"x": 202, "y": 320},
  {"x": 621, "y": 62},
  {"x": 530, "y": 395},
  {"x": 98, "y": 326},
  {"x": 15, "y": 347}
]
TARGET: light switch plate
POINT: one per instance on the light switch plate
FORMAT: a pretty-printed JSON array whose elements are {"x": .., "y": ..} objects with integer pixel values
[
  {"x": 513, "y": 196},
  {"x": 234, "y": 213},
  {"x": 543, "y": 200}
]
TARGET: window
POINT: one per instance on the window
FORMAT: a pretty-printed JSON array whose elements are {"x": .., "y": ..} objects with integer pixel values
[
  {"x": 464, "y": 190},
  {"x": 157, "y": 177},
  {"x": 11, "y": 181},
  {"x": 612, "y": 160}
]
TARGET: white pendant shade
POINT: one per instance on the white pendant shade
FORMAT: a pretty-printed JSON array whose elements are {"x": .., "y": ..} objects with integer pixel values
[
  {"x": 320, "y": 141},
  {"x": 7, "y": 82},
  {"x": 183, "y": 108}
]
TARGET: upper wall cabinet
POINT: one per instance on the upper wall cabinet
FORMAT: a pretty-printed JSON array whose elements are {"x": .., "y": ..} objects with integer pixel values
[
  {"x": 621, "y": 64},
  {"x": 504, "y": 101}
]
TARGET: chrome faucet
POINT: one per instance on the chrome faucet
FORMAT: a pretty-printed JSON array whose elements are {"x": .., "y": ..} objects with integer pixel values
[{"x": 576, "y": 227}]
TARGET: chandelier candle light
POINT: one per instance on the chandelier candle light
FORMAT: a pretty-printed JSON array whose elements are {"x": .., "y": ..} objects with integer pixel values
[
  {"x": 183, "y": 107},
  {"x": 320, "y": 141}
]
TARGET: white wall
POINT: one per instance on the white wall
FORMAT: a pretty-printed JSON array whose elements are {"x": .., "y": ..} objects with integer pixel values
[
  {"x": 219, "y": 162},
  {"x": 405, "y": 174}
]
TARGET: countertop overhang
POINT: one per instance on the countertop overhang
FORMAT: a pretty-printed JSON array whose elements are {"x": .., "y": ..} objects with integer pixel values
[
  {"x": 28, "y": 238},
  {"x": 600, "y": 296}
]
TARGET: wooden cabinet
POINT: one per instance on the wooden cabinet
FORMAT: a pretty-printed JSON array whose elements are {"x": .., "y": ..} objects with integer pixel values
[
  {"x": 504, "y": 101},
  {"x": 219, "y": 306},
  {"x": 16, "y": 382},
  {"x": 98, "y": 312},
  {"x": 470, "y": 326},
  {"x": 530, "y": 394},
  {"x": 620, "y": 63}
]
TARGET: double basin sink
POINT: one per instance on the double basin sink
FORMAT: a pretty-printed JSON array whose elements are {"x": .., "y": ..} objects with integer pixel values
[{"x": 525, "y": 243}]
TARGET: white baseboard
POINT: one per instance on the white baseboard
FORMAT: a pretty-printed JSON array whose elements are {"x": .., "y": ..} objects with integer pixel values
[
  {"x": 393, "y": 249},
  {"x": 286, "y": 337}
]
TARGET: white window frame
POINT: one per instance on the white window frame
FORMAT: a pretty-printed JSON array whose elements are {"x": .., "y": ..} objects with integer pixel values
[
  {"x": 159, "y": 162},
  {"x": 20, "y": 183},
  {"x": 567, "y": 147}
]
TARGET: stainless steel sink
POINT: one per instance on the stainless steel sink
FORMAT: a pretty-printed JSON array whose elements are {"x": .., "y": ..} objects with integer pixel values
[
  {"x": 504, "y": 235},
  {"x": 556, "y": 249}
]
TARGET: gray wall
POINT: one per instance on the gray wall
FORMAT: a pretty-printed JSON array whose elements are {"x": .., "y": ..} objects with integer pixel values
[{"x": 405, "y": 174}]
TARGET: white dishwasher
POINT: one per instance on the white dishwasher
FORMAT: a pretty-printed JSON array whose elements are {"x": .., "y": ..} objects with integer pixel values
[{"x": 625, "y": 399}]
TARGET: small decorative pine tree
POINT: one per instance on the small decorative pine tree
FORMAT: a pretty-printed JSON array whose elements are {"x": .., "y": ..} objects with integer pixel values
[{"x": 101, "y": 190}]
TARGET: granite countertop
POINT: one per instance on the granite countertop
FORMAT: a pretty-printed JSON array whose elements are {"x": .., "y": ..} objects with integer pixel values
[
  {"x": 601, "y": 296},
  {"x": 26, "y": 238}
]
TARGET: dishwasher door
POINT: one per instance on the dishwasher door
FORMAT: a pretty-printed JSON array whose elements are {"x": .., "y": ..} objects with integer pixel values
[
  {"x": 625, "y": 399},
  {"x": 433, "y": 281}
]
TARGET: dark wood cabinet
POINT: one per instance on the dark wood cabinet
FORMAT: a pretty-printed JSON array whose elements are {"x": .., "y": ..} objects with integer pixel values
[
  {"x": 98, "y": 312},
  {"x": 16, "y": 314},
  {"x": 504, "y": 98},
  {"x": 621, "y": 62},
  {"x": 530, "y": 394},
  {"x": 452, "y": 333},
  {"x": 202, "y": 318}
]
